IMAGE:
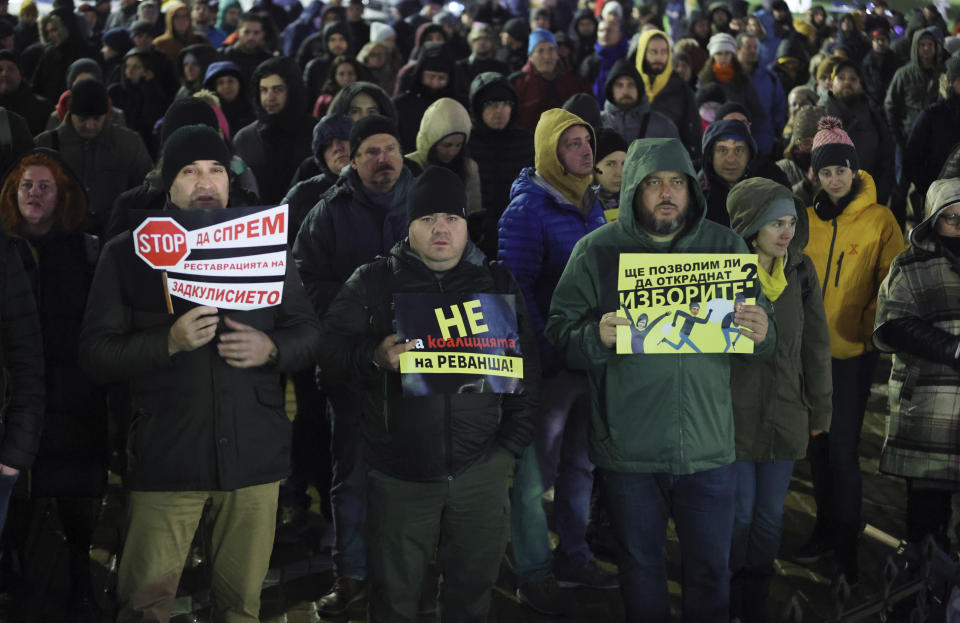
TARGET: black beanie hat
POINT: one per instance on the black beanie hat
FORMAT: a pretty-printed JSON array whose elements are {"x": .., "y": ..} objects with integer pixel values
[
  {"x": 729, "y": 107},
  {"x": 435, "y": 57},
  {"x": 832, "y": 146},
  {"x": 187, "y": 111},
  {"x": 609, "y": 141},
  {"x": 88, "y": 98},
  {"x": 189, "y": 144},
  {"x": 10, "y": 55},
  {"x": 499, "y": 91},
  {"x": 367, "y": 127},
  {"x": 438, "y": 189}
]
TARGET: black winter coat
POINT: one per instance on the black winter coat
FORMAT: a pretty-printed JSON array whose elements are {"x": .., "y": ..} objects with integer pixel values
[
  {"x": 878, "y": 70},
  {"x": 428, "y": 437},
  {"x": 934, "y": 135},
  {"x": 33, "y": 108},
  {"x": 21, "y": 357},
  {"x": 198, "y": 424},
  {"x": 868, "y": 130},
  {"x": 72, "y": 459}
]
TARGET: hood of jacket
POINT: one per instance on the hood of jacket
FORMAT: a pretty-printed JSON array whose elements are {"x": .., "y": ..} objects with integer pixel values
[
  {"x": 337, "y": 28},
  {"x": 479, "y": 85},
  {"x": 170, "y": 10},
  {"x": 941, "y": 195},
  {"x": 748, "y": 201},
  {"x": 653, "y": 87},
  {"x": 624, "y": 67},
  {"x": 222, "y": 9},
  {"x": 71, "y": 211},
  {"x": 205, "y": 55},
  {"x": 579, "y": 41},
  {"x": 728, "y": 128},
  {"x": 792, "y": 47},
  {"x": 341, "y": 101},
  {"x": 436, "y": 55},
  {"x": 552, "y": 124},
  {"x": 442, "y": 118},
  {"x": 649, "y": 155},
  {"x": 296, "y": 107},
  {"x": 932, "y": 33}
]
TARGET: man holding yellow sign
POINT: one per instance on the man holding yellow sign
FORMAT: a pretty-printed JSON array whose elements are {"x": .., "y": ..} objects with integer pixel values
[{"x": 662, "y": 425}]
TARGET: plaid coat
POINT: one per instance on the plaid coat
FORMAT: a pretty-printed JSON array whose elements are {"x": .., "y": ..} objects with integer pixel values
[{"x": 923, "y": 429}]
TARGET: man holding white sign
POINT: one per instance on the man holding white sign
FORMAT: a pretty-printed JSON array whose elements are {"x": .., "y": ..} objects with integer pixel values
[
  {"x": 208, "y": 420},
  {"x": 662, "y": 424},
  {"x": 439, "y": 460}
]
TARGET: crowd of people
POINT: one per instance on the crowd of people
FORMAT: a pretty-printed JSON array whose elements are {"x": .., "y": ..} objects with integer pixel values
[{"x": 502, "y": 148}]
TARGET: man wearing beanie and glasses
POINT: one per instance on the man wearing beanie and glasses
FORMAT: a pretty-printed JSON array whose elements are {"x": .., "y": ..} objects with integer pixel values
[
  {"x": 853, "y": 240},
  {"x": 439, "y": 463},
  {"x": 362, "y": 216},
  {"x": 108, "y": 159},
  {"x": 207, "y": 399}
]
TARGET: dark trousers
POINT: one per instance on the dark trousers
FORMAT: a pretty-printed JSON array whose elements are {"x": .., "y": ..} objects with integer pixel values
[
  {"x": 835, "y": 458},
  {"x": 310, "y": 450},
  {"x": 463, "y": 521},
  {"x": 348, "y": 489},
  {"x": 702, "y": 507},
  {"x": 928, "y": 512}
]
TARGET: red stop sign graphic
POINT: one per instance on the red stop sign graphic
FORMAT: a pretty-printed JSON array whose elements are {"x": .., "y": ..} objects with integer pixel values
[{"x": 161, "y": 242}]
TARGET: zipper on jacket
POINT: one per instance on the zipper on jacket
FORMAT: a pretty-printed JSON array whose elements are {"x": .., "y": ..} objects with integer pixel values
[
  {"x": 836, "y": 281},
  {"x": 826, "y": 276}
]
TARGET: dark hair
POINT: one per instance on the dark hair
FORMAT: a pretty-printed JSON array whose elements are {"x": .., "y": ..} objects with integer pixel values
[{"x": 330, "y": 85}]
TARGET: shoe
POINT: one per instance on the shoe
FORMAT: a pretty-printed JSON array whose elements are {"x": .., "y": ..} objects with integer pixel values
[
  {"x": 816, "y": 548},
  {"x": 543, "y": 596},
  {"x": 589, "y": 575},
  {"x": 344, "y": 593}
]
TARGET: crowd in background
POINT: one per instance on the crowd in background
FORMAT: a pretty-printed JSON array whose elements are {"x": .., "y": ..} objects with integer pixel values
[{"x": 532, "y": 138}]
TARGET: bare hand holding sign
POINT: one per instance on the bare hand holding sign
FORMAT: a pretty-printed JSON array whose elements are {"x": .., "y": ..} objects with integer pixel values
[{"x": 192, "y": 330}]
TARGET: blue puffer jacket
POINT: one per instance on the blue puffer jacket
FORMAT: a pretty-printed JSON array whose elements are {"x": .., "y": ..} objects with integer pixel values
[
  {"x": 536, "y": 235},
  {"x": 772, "y": 99}
]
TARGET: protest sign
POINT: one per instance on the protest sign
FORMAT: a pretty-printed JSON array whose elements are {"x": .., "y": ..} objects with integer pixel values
[
  {"x": 464, "y": 343},
  {"x": 684, "y": 303},
  {"x": 230, "y": 259}
]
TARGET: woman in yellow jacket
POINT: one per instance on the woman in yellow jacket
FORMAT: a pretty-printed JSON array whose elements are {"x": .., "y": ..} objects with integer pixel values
[{"x": 853, "y": 240}]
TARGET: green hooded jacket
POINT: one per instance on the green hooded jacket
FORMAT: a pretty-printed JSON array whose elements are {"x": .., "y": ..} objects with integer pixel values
[
  {"x": 777, "y": 402},
  {"x": 650, "y": 413}
]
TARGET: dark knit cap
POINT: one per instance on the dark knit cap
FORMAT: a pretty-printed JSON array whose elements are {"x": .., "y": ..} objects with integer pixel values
[
  {"x": 438, "y": 189},
  {"x": 10, "y": 55},
  {"x": 187, "y": 111},
  {"x": 6, "y": 29},
  {"x": 833, "y": 147},
  {"x": 843, "y": 64},
  {"x": 518, "y": 28},
  {"x": 329, "y": 128},
  {"x": 141, "y": 27},
  {"x": 118, "y": 39},
  {"x": 608, "y": 141},
  {"x": 953, "y": 68},
  {"x": 88, "y": 98},
  {"x": 712, "y": 92},
  {"x": 436, "y": 57},
  {"x": 369, "y": 126},
  {"x": 189, "y": 144},
  {"x": 220, "y": 68},
  {"x": 730, "y": 107},
  {"x": 83, "y": 66},
  {"x": 498, "y": 91},
  {"x": 584, "y": 106}
]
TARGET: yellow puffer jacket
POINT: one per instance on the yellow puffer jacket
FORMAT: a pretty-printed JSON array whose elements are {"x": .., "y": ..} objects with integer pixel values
[{"x": 852, "y": 254}]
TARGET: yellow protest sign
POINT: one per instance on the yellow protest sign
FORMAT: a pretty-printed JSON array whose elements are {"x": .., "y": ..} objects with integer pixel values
[{"x": 684, "y": 302}]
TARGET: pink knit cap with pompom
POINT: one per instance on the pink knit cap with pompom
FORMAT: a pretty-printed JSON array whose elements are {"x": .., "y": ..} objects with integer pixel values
[{"x": 832, "y": 146}]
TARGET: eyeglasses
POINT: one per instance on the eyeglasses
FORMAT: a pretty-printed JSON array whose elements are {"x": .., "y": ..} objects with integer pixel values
[{"x": 953, "y": 220}]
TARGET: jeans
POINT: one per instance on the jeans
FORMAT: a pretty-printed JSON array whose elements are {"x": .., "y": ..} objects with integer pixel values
[
  {"x": 6, "y": 490},
  {"x": 558, "y": 456},
  {"x": 758, "y": 512},
  {"x": 349, "y": 486},
  {"x": 462, "y": 521},
  {"x": 701, "y": 505}
]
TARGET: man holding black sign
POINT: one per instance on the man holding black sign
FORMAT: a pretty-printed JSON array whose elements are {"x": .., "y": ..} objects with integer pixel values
[
  {"x": 439, "y": 461},
  {"x": 662, "y": 424},
  {"x": 207, "y": 399}
]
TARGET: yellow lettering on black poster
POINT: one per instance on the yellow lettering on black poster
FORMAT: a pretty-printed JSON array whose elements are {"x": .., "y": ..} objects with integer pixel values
[{"x": 471, "y": 309}]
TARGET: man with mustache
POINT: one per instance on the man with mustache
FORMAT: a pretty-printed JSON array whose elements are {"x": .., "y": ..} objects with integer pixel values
[
  {"x": 662, "y": 425},
  {"x": 362, "y": 216},
  {"x": 552, "y": 206},
  {"x": 439, "y": 463},
  {"x": 207, "y": 397},
  {"x": 847, "y": 101}
]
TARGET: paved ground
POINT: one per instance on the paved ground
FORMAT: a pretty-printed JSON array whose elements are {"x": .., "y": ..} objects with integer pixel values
[{"x": 301, "y": 566}]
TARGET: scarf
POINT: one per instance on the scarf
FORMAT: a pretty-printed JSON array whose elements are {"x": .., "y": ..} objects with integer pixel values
[
  {"x": 773, "y": 284},
  {"x": 723, "y": 73}
]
